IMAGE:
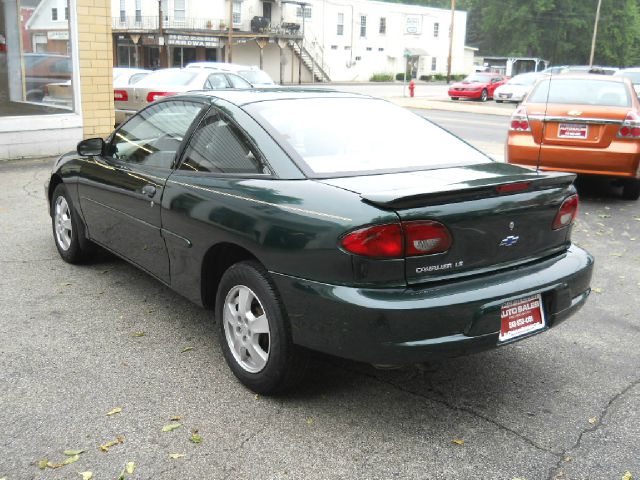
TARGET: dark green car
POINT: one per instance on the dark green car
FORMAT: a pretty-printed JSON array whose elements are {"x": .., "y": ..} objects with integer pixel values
[{"x": 313, "y": 220}]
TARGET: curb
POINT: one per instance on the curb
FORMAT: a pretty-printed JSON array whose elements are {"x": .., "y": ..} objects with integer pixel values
[{"x": 449, "y": 105}]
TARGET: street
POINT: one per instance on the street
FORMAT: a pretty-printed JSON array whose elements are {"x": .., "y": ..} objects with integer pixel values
[{"x": 79, "y": 342}]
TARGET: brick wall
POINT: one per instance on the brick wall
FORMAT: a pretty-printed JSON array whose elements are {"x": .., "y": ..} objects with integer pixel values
[{"x": 96, "y": 67}]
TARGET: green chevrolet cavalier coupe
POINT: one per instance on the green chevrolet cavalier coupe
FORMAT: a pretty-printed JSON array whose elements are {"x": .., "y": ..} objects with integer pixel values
[{"x": 319, "y": 220}]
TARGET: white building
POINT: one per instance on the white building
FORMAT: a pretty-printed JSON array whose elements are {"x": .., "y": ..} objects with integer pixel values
[{"x": 344, "y": 40}]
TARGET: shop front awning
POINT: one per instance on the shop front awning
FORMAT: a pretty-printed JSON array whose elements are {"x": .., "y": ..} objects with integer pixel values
[{"x": 416, "y": 52}]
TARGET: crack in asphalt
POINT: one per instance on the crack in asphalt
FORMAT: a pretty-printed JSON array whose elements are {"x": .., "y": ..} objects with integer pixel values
[
  {"x": 555, "y": 472},
  {"x": 26, "y": 185},
  {"x": 454, "y": 407}
]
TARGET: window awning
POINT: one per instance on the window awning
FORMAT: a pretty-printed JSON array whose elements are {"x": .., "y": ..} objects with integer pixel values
[{"x": 417, "y": 52}]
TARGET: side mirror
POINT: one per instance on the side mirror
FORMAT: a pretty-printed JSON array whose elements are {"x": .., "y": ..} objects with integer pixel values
[{"x": 91, "y": 147}]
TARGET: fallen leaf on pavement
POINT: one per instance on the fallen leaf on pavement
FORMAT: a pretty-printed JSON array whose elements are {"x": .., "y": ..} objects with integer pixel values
[
  {"x": 458, "y": 441},
  {"x": 627, "y": 476},
  {"x": 596, "y": 290},
  {"x": 71, "y": 453},
  {"x": 86, "y": 475},
  {"x": 131, "y": 467},
  {"x": 114, "y": 411},
  {"x": 593, "y": 420},
  {"x": 108, "y": 445},
  {"x": 176, "y": 455},
  {"x": 177, "y": 418},
  {"x": 171, "y": 427},
  {"x": 186, "y": 349},
  {"x": 137, "y": 334},
  {"x": 42, "y": 464},
  {"x": 71, "y": 460},
  {"x": 196, "y": 437},
  {"x": 309, "y": 421}
]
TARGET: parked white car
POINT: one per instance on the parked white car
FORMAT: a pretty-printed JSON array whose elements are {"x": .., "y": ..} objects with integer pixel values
[
  {"x": 633, "y": 74},
  {"x": 517, "y": 88},
  {"x": 252, "y": 74},
  {"x": 170, "y": 81}
]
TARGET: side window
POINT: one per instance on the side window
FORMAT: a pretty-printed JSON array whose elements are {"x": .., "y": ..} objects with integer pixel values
[
  {"x": 153, "y": 136},
  {"x": 217, "y": 80},
  {"x": 218, "y": 146},
  {"x": 237, "y": 81}
]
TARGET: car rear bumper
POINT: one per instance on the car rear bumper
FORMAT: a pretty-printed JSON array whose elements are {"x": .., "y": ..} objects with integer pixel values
[
  {"x": 399, "y": 326},
  {"x": 620, "y": 159},
  {"x": 465, "y": 94}
]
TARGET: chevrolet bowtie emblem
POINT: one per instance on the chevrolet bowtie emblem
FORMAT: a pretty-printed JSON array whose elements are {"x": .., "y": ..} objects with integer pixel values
[{"x": 509, "y": 241}]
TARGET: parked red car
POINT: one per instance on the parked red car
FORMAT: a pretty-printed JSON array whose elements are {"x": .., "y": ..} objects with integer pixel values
[{"x": 479, "y": 86}]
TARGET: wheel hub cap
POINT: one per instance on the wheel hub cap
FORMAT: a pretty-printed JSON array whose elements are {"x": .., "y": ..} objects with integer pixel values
[
  {"x": 62, "y": 223},
  {"x": 246, "y": 329}
]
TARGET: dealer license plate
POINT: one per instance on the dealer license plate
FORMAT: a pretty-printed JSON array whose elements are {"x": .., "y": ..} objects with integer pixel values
[
  {"x": 573, "y": 130},
  {"x": 521, "y": 317}
]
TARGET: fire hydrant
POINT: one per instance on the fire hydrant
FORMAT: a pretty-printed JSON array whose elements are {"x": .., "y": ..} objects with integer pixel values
[{"x": 412, "y": 87}]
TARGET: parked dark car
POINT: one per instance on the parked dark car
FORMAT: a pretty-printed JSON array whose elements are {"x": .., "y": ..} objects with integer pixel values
[
  {"x": 42, "y": 69},
  {"x": 304, "y": 229}
]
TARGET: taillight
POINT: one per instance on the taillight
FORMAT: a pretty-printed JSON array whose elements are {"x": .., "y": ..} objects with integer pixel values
[
  {"x": 520, "y": 121},
  {"x": 395, "y": 240},
  {"x": 153, "y": 96},
  {"x": 379, "y": 241},
  {"x": 120, "y": 95},
  {"x": 630, "y": 128},
  {"x": 567, "y": 213}
]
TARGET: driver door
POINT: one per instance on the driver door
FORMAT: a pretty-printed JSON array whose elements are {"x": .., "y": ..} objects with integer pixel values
[{"x": 120, "y": 192}]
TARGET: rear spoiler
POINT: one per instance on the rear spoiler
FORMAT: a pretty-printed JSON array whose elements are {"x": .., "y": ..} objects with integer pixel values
[{"x": 462, "y": 192}]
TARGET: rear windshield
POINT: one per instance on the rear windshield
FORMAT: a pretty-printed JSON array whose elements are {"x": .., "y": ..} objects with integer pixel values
[
  {"x": 582, "y": 91},
  {"x": 350, "y": 136},
  {"x": 257, "y": 77},
  {"x": 523, "y": 80},
  {"x": 171, "y": 77}
]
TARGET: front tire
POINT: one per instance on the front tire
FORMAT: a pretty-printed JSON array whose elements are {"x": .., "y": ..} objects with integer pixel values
[
  {"x": 484, "y": 96},
  {"x": 631, "y": 189},
  {"x": 68, "y": 229},
  {"x": 454, "y": 98},
  {"x": 254, "y": 331}
]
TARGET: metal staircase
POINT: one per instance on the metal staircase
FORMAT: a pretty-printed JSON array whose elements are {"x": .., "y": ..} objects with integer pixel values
[{"x": 311, "y": 53}]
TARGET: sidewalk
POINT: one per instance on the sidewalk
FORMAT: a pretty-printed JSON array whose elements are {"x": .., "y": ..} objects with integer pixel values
[{"x": 488, "y": 108}]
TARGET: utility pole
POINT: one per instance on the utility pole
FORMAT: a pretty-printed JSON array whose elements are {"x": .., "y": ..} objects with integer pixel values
[
  {"x": 453, "y": 14},
  {"x": 230, "y": 32},
  {"x": 595, "y": 33},
  {"x": 164, "y": 57}
]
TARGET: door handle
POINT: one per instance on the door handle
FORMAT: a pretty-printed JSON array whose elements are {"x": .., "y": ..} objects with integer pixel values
[{"x": 149, "y": 190}]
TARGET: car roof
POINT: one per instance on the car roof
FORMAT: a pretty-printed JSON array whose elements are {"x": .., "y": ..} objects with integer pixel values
[
  {"x": 241, "y": 97},
  {"x": 588, "y": 76}
]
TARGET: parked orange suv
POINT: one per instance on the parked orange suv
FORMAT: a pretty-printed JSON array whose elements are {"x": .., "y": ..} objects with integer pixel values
[{"x": 587, "y": 124}]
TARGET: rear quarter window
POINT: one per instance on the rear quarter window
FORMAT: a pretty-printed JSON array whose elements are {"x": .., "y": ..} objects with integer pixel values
[{"x": 581, "y": 92}]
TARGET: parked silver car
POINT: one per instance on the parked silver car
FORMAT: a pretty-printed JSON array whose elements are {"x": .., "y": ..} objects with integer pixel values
[
  {"x": 252, "y": 74},
  {"x": 123, "y": 76},
  {"x": 163, "y": 83},
  {"x": 517, "y": 87},
  {"x": 633, "y": 74}
]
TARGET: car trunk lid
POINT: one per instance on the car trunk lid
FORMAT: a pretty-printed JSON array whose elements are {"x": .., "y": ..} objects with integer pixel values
[{"x": 498, "y": 215}]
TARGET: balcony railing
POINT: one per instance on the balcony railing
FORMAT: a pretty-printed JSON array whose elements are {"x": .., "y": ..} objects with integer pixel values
[{"x": 169, "y": 22}]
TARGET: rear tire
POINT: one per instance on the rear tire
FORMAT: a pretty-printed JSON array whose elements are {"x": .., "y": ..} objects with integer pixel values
[
  {"x": 68, "y": 229},
  {"x": 631, "y": 189},
  {"x": 498, "y": 101},
  {"x": 255, "y": 334},
  {"x": 454, "y": 98},
  {"x": 484, "y": 96}
]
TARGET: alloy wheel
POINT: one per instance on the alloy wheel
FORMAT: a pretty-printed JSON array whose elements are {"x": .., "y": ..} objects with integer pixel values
[
  {"x": 62, "y": 222},
  {"x": 246, "y": 329}
]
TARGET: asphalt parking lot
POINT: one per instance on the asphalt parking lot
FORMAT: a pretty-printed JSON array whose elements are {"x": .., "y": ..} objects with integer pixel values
[{"x": 79, "y": 342}]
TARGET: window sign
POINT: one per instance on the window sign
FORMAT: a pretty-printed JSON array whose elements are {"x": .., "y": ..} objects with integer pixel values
[{"x": 413, "y": 24}]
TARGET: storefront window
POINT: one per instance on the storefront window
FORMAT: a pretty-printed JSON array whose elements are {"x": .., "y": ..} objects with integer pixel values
[{"x": 35, "y": 64}]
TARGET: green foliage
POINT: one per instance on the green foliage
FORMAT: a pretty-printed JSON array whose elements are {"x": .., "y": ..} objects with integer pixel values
[
  {"x": 556, "y": 30},
  {"x": 381, "y": 77},
  {"x": 425, "y": 78},
  {"x": 400, "y": 76}
]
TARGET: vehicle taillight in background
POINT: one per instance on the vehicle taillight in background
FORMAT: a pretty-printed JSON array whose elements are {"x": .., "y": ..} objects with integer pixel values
[
  {"x": 630, "y": 128},
  {"x": 396, "y": 240},
  {"x": 520, "y": 121},
  {"x": 153, "y": 96},
  {"x": 120, "y": 95},
  {"x": 567, "y": 213}
]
